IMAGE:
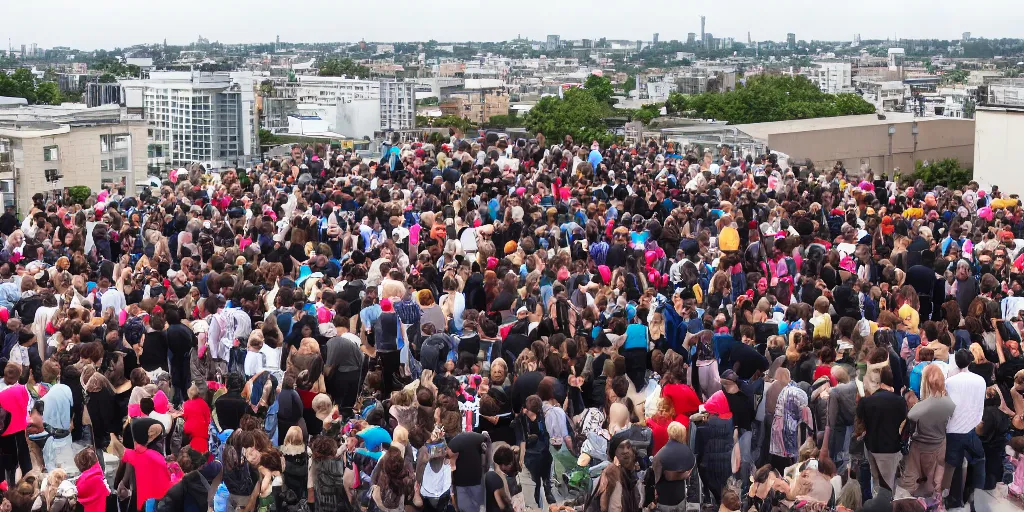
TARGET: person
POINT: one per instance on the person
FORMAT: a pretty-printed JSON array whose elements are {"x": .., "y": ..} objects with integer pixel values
[
  {"x": 197, "y": 416},
  {"x": 58, "y": 403},
  {"x": 927, "y": 452},
  {"x": 143, "y": 474},
  {"x": 534, "y": 440},
  {"x": 882, "y": 413},
  {"x": 434, "y": 473},
  {"x": 394, "y": 484},
  {"x": 91, "y": 484},
  {"x": 665, "y": 483},
  {"x": 190, "y": 493},
  {"x": 504, "y": 494},
  {"x": 327, "y": 477},
  {"x": 715, "y": 441},
  {"x": 296, "y": 462},
  {"x": 967, "y": 391},
  {"x": 468, "y": 453},
  {"x": 13, "y": 443}
]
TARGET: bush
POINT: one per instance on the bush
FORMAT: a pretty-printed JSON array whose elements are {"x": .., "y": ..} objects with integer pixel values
[
  {"x": 79, "y": 194},
  {"x": 947, "y": 173}
]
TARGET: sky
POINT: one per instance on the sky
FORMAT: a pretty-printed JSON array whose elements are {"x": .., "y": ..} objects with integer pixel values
[{"x": 120, "y": 23}]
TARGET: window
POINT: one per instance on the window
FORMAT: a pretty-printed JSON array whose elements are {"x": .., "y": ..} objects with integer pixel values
[
  {"x": 7, "y": 192},
  {"x": 115, "y": 142},
  {"x": 51, "y": 153},
  {"x": 121, "y": 163},
  {"x": 52, "y": 175}
]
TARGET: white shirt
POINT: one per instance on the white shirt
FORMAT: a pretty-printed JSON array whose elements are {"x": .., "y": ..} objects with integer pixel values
[{"x": 967, "y": 389}]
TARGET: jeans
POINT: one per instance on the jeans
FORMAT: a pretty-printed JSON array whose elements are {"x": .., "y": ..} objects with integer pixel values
[
  {"x": 469, "y": 499},
  {"x": 959, "y": 447},
  {"x": 839, "y": 445}
]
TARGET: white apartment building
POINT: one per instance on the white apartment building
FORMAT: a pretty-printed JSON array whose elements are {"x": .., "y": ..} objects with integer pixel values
[
  {"x": 348, "y": 104},
  {"x": 831, "y": 77},
  {"x": 195, "y": 118}
]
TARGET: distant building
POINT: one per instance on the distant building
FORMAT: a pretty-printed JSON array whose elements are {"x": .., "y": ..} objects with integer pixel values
[
  {"x": 71, "y": 82},
  {"x": 44, "y": 149},
  {"x": 552, "y": 43},
  {"x": 194, "y": 118},
  {"x": 709, "y": 41},
  {"x": 831, "y": 77},
  {"x": 966, "y": 36},
  {"x": 791, "y": 40},
  {"x": 397, "y": 105},
  {"x": 655, "y": 39},
  {"x": 703, "y": 38},
  {"x": 97, "y": 94},
  {"x": 480, "y": 100},
  {"x": 691, "y": 38}
]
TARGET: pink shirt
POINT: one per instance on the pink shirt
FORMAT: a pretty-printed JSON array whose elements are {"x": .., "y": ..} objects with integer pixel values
[{"x": 15, "y": 400}]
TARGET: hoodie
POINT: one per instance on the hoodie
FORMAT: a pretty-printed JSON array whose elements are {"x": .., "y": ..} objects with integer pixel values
[
  {"x": 92, "y": 489},
  {"x": 188, "y": 495}
]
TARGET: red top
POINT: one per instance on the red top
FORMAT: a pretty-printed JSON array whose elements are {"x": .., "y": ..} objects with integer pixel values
[
  {"x": 824, "y": 371},
  {"x": 152, "y": 475},
  {"x": 197, "y": 424},
  {"x": 92, "y": 490},
  {"x": 684, "y": 400},
  {"x": 15, "y": 401},
  {"x": 307, "y": 397}
]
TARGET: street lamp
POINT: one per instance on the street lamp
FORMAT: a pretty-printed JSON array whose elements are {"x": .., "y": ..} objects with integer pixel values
[
  {"x": 892, "y": 131},
  {"x": 913, "y": 131}
]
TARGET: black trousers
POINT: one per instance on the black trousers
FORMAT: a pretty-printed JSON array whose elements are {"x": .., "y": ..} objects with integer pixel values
[
  {"x": 344, "y": 390},
  {"x": 14, "y": 450},
  {"x": 390, "y": 361}
]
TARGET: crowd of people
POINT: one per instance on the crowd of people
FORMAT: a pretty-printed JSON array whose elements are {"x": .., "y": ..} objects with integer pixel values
[{"x": 499, "y": 325}]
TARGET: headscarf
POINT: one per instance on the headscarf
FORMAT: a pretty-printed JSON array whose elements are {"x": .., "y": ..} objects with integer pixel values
[{"x": 718, "y": 405}]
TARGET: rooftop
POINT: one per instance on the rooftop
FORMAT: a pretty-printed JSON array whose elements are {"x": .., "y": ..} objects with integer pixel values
[{"x": 763, "y": 130}]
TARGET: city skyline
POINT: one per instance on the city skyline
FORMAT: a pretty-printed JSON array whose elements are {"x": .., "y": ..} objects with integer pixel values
[{"x": 111, "y": 24}]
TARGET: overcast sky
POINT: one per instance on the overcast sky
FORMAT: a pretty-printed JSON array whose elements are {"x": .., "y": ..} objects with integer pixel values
[{"x": 112, "y": 23}]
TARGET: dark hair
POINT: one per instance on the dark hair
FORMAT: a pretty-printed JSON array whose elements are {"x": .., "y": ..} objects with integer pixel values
[
  {"x": 504, "y": 456},
  {"x": 546, "y": 388},
  {"x": 534, "y": 404},
  {"x": 963, "y": 358},
  {"x": 86, "y": 459},
  {"x": 323, "y": 447},
  {"x": 885, "y": 376}
]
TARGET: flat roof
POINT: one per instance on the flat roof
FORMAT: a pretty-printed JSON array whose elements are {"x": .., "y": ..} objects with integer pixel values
[{"x": 763, "y": 130}]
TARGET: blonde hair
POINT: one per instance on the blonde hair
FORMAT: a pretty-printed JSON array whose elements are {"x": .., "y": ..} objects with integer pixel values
[
  {"x": 294, "y": 436},
  {"x": 677, "y": 432},
  {"x": 933, "y": 382},
  {"x": 401, "y": 435}
]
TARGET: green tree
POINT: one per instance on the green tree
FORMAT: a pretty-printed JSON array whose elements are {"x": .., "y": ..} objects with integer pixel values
[
  {"x": 71, "y": 97},
  {"x": 947, "y": 173},
  {"x": 956, "y": 76},
  {"x": 577, "y": 113},
  {"x": 48, "y": 94},
  {"x": 79, "y": 194},
  {"x": 600, "y": 88},
  {"x": 25, "y": 84},
  {"x": 768, "y": 98},
  {"x": 107, "y": 78},
  {"x": 646, "y": 113},
  {"x": 342, "y": 67}
]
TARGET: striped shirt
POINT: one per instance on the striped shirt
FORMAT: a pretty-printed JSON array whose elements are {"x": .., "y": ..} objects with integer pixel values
[{"x": 967, "y": 389}]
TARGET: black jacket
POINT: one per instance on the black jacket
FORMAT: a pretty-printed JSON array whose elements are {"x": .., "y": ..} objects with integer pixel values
[{"x": 188, "y": 494}]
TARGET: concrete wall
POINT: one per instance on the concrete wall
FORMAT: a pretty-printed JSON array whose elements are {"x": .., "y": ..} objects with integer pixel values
[
  {"x": 997, "y": 133},
  {"x": 79, "y": 162},
  {"x": 937, "y": 139}
]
